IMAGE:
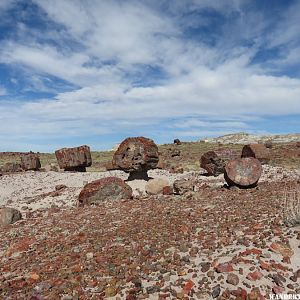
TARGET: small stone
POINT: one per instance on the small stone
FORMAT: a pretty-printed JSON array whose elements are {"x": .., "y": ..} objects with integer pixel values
[
  {"x": 216, "y": 291},
  {"x": 282, "y": 248},
  {"x": 254, "y": 276},
  {"x": 110, "y": 292},
  {"x": 224, "y": 268},
  {"x": 232, "y": 279}
]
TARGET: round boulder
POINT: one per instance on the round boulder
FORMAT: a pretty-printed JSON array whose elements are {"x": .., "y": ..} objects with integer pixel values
[
  {"x": 137, "y": 154},
  {"x": 243, "y": 172},
  {"x": 9, "y": 215},
  {"x": 104, "y": 189},
  {"x": 156, "y": 186}
]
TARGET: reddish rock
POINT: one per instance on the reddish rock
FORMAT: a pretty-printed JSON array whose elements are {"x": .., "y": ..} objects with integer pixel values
[
  {"x": 277, "y": 290},
  {"x": 282, "y": 248},
  {"x": 137, "y": 154},
  {"x": 167, "y": 190},
  {"x": 105, "y": 189},
  {"x": 259, "y": 151},
  {"x": 253, "y": 276},
  {"x": 214, "y": 161},
  {"x": 30, "y": 161},
  {"x": 224, "y": 268},
  {"x": 74, "y": 159},
  {"x": 9, "y": 215},
  {"x": 243, "y": 172}
]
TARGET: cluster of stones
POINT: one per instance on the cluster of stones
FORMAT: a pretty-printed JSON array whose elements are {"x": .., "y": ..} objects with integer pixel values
[{"x": 240, "y": 169}]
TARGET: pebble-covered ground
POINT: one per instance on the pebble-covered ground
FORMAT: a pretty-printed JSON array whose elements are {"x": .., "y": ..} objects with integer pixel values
[{"x": 211, "y": 243}]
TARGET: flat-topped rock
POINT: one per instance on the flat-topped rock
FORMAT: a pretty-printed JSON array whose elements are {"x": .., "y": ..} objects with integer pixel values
[
  {"x": 74, "y": 159},
  {"x": 30, "y": 161}
]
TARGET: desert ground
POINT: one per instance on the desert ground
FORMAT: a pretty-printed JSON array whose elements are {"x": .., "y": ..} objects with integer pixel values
[{"x": 212, "y": 242}]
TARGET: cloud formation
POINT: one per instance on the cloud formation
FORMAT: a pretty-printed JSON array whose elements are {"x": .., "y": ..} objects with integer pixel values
[{"x": 96, "y": 71}]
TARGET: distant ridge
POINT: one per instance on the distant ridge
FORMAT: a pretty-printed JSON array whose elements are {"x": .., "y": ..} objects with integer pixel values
[{"x": 246, "y": 138}]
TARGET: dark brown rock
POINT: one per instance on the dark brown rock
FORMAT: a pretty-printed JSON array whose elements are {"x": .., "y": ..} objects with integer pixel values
[
  {"x": 177, "y": 142},
  {"x": 258, "y": 151},
  {"x": 74, "y": 159},
  {"x": 243, "y": 172},
  {"x": 30, "y": 161},
  {"x": 9, "y": 215},
  {"x": 137, "y": 154},
  {"x": 214, "y": 161},
  {"x": 104, "y": 189}
]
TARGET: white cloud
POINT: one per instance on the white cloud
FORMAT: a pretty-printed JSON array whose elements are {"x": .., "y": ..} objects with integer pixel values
[{"x": 117, "y": 42}]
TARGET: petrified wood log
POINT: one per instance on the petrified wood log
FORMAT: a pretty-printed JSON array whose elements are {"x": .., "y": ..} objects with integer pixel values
[
  {"x": 74, "y": 159},
  {"x": 214, "y": 161},
  {"x": 259, "y": 151},
  {"x": 104, "y": 189},
  {"x": 243, "y": 172},
  {"x": 137, "y": 154},
  {"x": 30, "y": 161}
]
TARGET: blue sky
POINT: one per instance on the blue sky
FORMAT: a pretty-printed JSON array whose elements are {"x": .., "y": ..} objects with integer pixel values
[{"x": 93, "y": 72}]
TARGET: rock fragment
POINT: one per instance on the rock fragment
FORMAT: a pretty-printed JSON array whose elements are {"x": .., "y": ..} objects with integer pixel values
[
  {"x": 9, "y": 215},
  {"x": 104, "y": 189},
  {"x": 177, "y": 142},
  {"x": 74, "y": 159},
  {"x": 232, "y": 279},
  {"x": 259, "y": 151},
  {"x": 30, "y": 161},
  {"x": 214, "y": 161},
  {"x": 243, "y": 172},
  {"x": 182, "y": 186}
]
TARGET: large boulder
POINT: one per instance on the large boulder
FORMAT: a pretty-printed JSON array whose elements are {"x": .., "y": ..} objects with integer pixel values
[
  {"x": 243, "y": 172},
  {"x": 214, "y": 161},
  {"x": 74, "y": 159},
  {"x": 155, "y": 186},
  {"x": 11, "y": 167},
  {"x": 138, "y": 154},
  {"x": 9, "y": 215},
  {"x": 104, "y": 189},
  {"x": 30, "y": 161},
  {"x": 259, "y": 151}
]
